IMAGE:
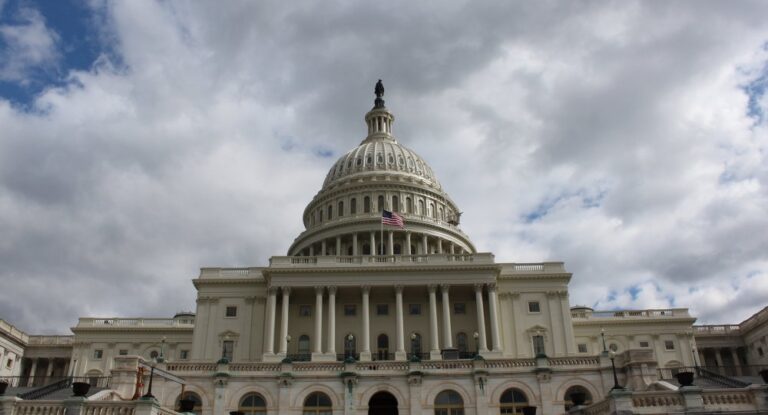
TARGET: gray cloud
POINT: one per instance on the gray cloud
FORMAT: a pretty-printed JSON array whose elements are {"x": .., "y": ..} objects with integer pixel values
[{"x": 595, "y": 134}]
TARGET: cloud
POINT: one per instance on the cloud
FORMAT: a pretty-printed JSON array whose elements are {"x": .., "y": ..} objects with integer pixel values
[
  {"x": 26, "y": 46},
  {"x": 621, "y": 139}
]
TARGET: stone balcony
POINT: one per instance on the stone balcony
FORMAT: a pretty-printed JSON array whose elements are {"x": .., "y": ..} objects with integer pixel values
[
  {"x": 95, "y": 322},
  {"x": 53, "y": 340},
  {"x": 717, "y": 330},
  {"x": 330, "y": 261}
]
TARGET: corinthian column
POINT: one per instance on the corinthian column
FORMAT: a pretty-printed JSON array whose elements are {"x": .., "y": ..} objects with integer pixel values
[
  {"x": 284, "y": 321},
  {"x": 447, "y": 332},
  {"x": 480, "y": 317}
]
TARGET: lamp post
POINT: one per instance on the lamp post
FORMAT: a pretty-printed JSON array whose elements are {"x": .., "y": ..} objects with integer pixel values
[
  {"x": 476, "y": 335},
  {"x": 152, "y": 365},
  {"x": 602, "y": 334},
  {"x": 415, "y": 357},
  {"x": 349, "y": 355},
  {"x": 161, "y": 358},
  {"x": 616, "y": 386}
]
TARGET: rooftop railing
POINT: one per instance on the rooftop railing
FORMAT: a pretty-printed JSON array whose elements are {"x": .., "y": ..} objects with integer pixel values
[
  {"x": 13, "y": 331},
  {"x": 716, "y": 329},
  {"x": 187, "y": 322},
  {"x": 586, "y": 314},
  {"x": 53, "y": 340},
  {"x": 374, "y": 260}
]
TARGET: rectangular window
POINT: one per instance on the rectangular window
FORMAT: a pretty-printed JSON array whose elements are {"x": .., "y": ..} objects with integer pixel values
[
  {"x": 538, "y": 346},
  {"x": 459, "y": 308},
  {"x": 350, "y": 309},
  {"x": 760, "y": 351},
  {"x": 122, "y": 352},
  {"x": 534, "y": 307},
  {"x": 228, "y": 350},
  {"x": 305, "y": 311},
  {"x": 184, "y": 354},
  {"x": 98, "y": 354},
  {"x": 582, "y": 347},
  {"x": 9, "y": 363},
  {"x": 382, "y": 309},
  {"x": 231, "y": 311},
  {"x": 414, "y": 309},
  {"x": 644, "y": 344},
  {"x": 669, "y": 344}
]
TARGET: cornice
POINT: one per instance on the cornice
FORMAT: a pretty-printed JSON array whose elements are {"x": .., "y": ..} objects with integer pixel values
[
  {"x": 380, "y": 269},
  {"x": 559, "y": 275},
  {"x": 232, "y": 281},
  {"x": 78, "y": 330}
]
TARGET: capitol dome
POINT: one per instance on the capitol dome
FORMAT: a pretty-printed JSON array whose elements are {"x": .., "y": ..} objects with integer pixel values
[{"x": 380, "y": 174}]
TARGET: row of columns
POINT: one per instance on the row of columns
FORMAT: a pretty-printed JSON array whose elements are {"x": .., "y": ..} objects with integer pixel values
[
  {"x": 722, "y": 368},
  {"x": 48, "y": 371},
  {"x": 422, "y": 247},
  {"x": 365, "y": 354}
]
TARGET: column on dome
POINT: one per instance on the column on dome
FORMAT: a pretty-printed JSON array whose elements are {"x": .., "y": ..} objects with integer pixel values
[
  {"x": 439, "y": 246},
  {"x": 447, "y": 332},
  {"x": 434, "y": 352},
  {"x": 338, "y": 246},
  {"x": 390, "y": 243},
  {"x": 354, "y": 244},
  {"x": 365, "y": 354},
  {"x": 331, "y": 349},
  {"x": 424, "y": 244},
  {"x": 284, "y": 321},
  {"x": 373, "y": 243},
  {"x": 407, "y": 243},
  {"x": 400, "y": 352},
  {"x": 453, "y": 248},
  {"x": 318, "y": 322},
  {"x": 323, "y": 248},
  {"x": 312, "y": 250},
  {"x": 480, "y": 318}
]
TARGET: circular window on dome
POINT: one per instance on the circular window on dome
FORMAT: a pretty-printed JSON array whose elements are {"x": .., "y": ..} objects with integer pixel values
[{"x": 359, "y": 162}]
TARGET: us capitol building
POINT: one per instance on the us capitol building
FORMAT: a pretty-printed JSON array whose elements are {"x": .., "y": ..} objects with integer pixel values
[{"x": 408, "y": 320}]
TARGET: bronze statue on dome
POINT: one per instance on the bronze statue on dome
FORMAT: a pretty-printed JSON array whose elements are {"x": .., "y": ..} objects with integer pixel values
[{"x": 379, "y": 91}]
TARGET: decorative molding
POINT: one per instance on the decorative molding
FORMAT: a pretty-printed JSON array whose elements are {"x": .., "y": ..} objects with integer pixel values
[{"x": 332, "y": 290}]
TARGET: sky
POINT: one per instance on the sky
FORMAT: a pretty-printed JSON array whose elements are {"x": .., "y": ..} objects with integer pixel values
[{"x": 142, "y": 140}]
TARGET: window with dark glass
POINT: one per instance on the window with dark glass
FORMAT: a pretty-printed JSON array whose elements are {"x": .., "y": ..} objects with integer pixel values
[
  {"x": 538, "y": 346},
  {"x": 195, "y": 398},
  {"x": 459, "y": 308},
  {"x": 449, "y": 402},
  {"x": 303, "y": 346},
  {"x": 253, "y": 404},
  {"x": 382, "y": 309},
  {"x": 380, "y": 203},
  {"x": 353, "y": 206},
  {"x": 580, "y": 390},
  {"x": 317, "y": 403},
  {"x": 228, "y": 349},
  {"x": 366, "y": 204},
  {"x": 231, "y": 311},
  {"x": 350, "y": 309},
  {"x": 305, "y": 310},
  {"x": 341, "y": 208},
  {"x": 512, "y": 401},
  {"x": 534, "y": 307},
  {"x": 395, "y": 204},
  {"x": 414, "y": 309}
]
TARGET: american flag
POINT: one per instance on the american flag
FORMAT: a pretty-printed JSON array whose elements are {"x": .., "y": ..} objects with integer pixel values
[{"x": 392, "y": 219}]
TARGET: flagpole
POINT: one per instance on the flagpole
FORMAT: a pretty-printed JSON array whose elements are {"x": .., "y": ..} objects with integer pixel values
[{"x": 381, "y": 241}]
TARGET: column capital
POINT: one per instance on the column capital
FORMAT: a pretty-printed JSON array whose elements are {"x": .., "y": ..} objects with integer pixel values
[
  {"x": 319, "y": 289},
  {"x": 491, "y": 287},
  {"x": 366, "y": 289},
  {"x": 479, "y": 287},
  {"x": 432, "y": 288},
  {"x": 332, "y": 289},
  {"x": 445, "y": 288},
  {"x": 272, "y": 290},
  {"x": 286, "y": 290},
  {"x": 399, "y": 289}
]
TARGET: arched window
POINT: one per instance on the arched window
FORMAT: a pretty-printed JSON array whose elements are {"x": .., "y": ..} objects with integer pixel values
[
  {"x": 382, "y": 344},
  {"x": 461, "y": 342},
  {"x": 253, "y": 404},
  {"x": 320, "y": 215},
  {"x": 353, "y": 206},
  {"x": 512, "y": 401},
  {"x": 197, "y": 406},
  {"x": 303, "y": 347},
  {"x": 350, "y": 346},
  {"x": 153, "y": 354},
  {"x": 366, "y": 204},
  {"x": 432, "y": 210},
  {"x": 416, "y": 344},
  {"x": 421, "y": 207},
  {"x": 317, "y": 403},
  {"x": 330, "y": 212},
  {"x": 395, "y": 204},
  {"x": 380, "y": 203},
  {"x": 442, "y": 214},
  {"x": 449, "y": 402},
  {"x": 341, "y": 208},
  {"x": 408, "y": 205},
  {"x": 582, "y": 393}
]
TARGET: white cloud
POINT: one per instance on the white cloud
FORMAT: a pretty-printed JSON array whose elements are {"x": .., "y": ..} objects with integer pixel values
[
  {"x": 26, "y": 46},
  {"x": 614, "y": 138}
]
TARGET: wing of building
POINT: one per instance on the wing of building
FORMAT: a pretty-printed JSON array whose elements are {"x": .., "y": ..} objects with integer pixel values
[{"x": 361, "y": 317}]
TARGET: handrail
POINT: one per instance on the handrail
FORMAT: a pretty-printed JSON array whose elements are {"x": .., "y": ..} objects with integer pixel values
[{"x": 45, "y": 390}]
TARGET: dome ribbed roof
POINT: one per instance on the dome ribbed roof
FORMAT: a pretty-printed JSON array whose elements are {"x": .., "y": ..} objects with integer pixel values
[{"x": 375, "y": 156}]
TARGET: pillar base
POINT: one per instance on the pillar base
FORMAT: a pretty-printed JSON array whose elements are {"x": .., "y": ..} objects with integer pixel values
[
  {"x": 401, "y": 356},
  {"x": 435, "y": 355},
  {"x": 323, "y": 357},
  {"x": 272, "y": 358},
  {"x": 365, "y": 356}
]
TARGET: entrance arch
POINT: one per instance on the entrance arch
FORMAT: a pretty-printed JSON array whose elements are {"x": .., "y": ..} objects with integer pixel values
[{"x": 382, "y": 403}]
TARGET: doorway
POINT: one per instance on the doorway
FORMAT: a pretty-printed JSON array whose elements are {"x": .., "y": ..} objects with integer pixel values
[{"x": 382, "y": 403}]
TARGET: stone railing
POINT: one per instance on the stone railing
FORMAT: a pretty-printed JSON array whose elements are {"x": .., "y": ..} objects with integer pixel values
[
  {"x": 187, "y": 322},
  {"x": 446, "y": 364},
  {"x": 666, "y": 400},
  {"x": 382, "y": 366},
  {"x": 251, "y": 272},
  {"x": 318, "y": 366},
  {"x": 716, "y": 330},
  {"x": 254, "y": 367},
  {"x": 39, "y": 407},
  {"x": 591, "y": 361},
  {"x": 528, "y": 268},
  {"x": 51, "y": 340},
  {"x": 108, "y": 408},
  {"x": 373, "y": 260},
  {"x": 586, "y": 314},
  {"x": 510, "y": 363},
  {"x": 684, "y": 400},
  {"x": 191, "y": 367}
]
